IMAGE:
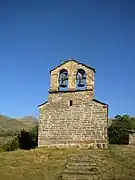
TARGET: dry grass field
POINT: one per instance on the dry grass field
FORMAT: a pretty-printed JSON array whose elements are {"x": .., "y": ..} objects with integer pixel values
[{"x": 117, "y": 162}]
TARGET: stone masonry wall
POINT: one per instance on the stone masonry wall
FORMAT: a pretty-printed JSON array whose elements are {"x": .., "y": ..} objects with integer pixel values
[
  {"x": 82, "y": 124},
  {"x": 132, "y": 138}
]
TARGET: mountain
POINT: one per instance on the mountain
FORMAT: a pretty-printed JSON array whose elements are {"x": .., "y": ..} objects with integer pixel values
[
  {"x": 8, "y": 126},
  {"x": 13, "y": 124},
  {"x": 28, "y": 120}
]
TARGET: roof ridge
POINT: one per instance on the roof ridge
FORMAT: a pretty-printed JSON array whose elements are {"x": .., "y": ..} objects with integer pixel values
[
  {"x": 74, "y": 61},
  {"x": 95, "y": 100}
]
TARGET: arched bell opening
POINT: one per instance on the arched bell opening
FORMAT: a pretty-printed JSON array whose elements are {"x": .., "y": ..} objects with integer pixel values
[
  {"x": 81, "y": 80},
  {"x": 63, "y": 80}
]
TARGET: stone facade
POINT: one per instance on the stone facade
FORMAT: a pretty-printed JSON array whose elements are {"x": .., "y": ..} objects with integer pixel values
[
  {"x": 72, "y": 117},
  {"x": 132, "y": 137}
]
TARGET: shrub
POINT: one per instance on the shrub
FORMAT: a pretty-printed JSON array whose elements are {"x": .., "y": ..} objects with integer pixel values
[
  {"x": 11, "y": 145},
  {"x": 34, "y": 135},
  {"x": 24, "y": 140},
  {"x": 118, "y": 131},
  {"x": 28, "y": 140}
]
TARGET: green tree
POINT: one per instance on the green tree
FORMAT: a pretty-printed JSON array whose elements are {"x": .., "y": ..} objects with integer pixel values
[
  {"x": 34, "y": 135},
  {"x": 118, "y": 131},
  {"x": 25, "y": 140},
  {"x": 11, "y": 145}
]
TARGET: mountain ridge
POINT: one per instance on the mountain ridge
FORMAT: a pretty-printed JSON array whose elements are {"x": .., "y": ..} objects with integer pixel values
[
  {"x": 17, "y": 123},
  {"x": 10, "y": 126}
]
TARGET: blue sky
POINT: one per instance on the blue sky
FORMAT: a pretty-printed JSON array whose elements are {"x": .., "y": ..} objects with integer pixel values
[{"x": 36, "y": 36}]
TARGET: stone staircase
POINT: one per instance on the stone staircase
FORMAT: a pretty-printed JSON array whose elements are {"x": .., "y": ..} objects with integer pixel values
[{"x": 81, "y": 169}]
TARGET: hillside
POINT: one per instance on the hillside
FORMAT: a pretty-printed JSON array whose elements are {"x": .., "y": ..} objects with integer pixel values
[
  {"x": 7, "y": 123},
  {"x": 117, "y": 162},
  {"x": 9, "y": 126},
  {"x": 28, "y": 121}
]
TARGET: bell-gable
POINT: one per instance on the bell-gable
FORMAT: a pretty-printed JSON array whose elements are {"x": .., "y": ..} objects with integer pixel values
[{"x": 72, "y": 76}]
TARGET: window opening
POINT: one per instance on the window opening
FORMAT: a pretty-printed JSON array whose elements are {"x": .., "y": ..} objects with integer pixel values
[
  {"x": 81, "y": 79},
  {"x": 71, "y": 103},
  {"x": 63, "y": 80}
]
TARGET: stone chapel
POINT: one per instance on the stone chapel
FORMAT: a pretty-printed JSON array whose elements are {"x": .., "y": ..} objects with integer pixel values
[{"x": 72, "y": 116}]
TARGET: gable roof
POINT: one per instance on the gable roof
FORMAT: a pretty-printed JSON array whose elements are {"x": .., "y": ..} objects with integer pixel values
[
  {"x": 95, "y": 100},
  {"x": 42, "y": 104},
  {"x": 74, "y": 61}
]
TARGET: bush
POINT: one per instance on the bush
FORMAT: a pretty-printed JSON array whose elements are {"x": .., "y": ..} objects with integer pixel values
[
  {"x": 118, "y": 131},
  {"x": 34, "y": 135},
  {"x": 11, "y": 145},
  {"x": 28, "y": 140},
  {"x": 8, "y": 132},
  {"x": 24, "y": 140}
]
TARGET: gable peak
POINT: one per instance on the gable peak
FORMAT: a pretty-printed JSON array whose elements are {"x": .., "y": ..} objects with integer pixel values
[{"x": 76, "y": 61}]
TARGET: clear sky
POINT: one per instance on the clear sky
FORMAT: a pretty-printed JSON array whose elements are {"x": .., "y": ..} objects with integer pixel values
[{"x": 36, "y": 36}]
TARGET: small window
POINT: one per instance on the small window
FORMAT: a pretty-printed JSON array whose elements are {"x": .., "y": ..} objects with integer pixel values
[{"x": 71, "y": 103}]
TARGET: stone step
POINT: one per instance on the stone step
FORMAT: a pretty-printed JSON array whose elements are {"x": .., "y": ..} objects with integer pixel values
[
  {"x": 91, "y": 171},
  {"x": 82, "y": 159},
  {"x": 85, "y": 165},
  {"x": 82, "y": 168},
  {"x": 80, "y": 177},
  {"x": 81, "y": 164}
]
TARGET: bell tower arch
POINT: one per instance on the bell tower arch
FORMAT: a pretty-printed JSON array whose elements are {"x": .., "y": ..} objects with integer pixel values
[
  {"x": 72, "y": 76},
  {"x": 63, "y": 80},
  {"x": 81, "y": 80}
]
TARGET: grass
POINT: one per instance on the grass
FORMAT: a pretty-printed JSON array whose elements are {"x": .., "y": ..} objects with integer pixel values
[{"x": 117, "y": 162}]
